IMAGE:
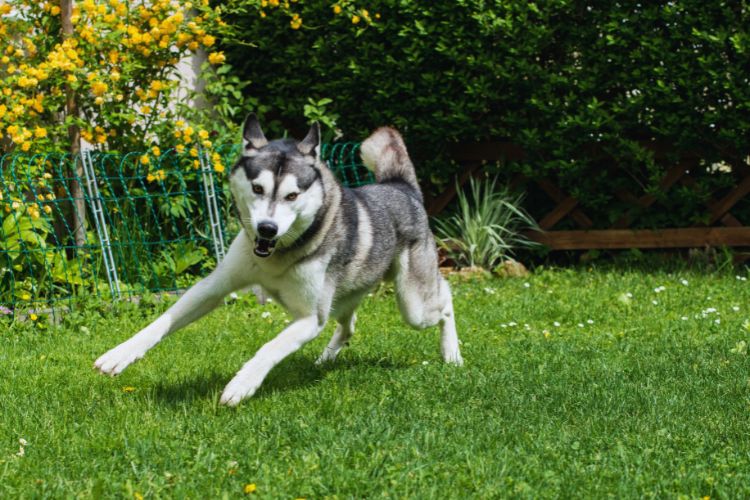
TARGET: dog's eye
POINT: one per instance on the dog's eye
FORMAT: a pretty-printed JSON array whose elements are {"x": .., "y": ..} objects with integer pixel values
[
  {"x": 291, "y": 197},
  {"x": 257, "y": 189}
]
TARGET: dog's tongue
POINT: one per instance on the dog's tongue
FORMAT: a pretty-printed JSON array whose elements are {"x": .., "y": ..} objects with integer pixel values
[{"x": 263, "y": 247}]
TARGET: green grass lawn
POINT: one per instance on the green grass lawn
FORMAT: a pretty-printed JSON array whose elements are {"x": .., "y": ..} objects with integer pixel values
[{"x": 581, "y": 382}]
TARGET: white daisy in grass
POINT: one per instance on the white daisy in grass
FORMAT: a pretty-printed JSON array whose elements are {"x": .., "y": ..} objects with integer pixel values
[
  {"x": 684, "y": 282},
  {"x": 265, "y": 314}
]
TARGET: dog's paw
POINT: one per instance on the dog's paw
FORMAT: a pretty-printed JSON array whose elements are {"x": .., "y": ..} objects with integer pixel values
[
  {"x": 327, "y": 356},
  {"x": 114, "y": 361},
  {"x": 454, "y": 358},
  {"x": 238, "y": 389}
]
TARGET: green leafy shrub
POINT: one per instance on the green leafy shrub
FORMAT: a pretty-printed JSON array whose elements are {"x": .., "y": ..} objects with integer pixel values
[
  {"x": 589, "y": 90},
  {"x": 486, "y": 227}
]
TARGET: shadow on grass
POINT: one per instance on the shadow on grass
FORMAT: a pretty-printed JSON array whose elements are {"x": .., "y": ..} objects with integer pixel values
[{"x": 290, "y": 375}]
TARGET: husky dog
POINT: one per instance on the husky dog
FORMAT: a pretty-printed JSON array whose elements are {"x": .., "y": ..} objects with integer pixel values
[{"x": 317, "y": 248}]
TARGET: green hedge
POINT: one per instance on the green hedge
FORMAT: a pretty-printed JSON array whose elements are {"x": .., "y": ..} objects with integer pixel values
[{"x": 580, "y": 86}]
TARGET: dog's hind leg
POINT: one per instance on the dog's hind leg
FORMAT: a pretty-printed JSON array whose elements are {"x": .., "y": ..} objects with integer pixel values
[
  {"x": 202, "y": 298},
  {"x": 344, "y": 331},
  {"x": 424, "y": 297}
]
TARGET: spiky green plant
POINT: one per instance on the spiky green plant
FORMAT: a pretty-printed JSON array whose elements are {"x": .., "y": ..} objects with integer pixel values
[{"x": 486, "y": 227}]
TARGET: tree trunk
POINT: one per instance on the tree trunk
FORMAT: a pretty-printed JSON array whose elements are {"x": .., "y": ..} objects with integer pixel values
[{"x": 78, "y": 216}]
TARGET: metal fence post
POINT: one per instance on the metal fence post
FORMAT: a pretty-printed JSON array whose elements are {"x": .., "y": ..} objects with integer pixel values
[
  {"x": 212, "y": 205},
  {"x": 100, "y": 222}
]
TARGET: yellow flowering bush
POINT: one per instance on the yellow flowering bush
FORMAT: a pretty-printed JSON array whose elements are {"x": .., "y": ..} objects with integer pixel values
[{"x": 120, "y": 66}]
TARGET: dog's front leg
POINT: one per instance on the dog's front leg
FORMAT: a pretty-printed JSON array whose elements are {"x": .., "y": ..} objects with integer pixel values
[
  {"x": 202, "y": 298},
  {"x": 291, "y": 339}
]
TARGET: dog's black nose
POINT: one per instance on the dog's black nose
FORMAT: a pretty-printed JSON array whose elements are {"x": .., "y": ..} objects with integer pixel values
[{"x": 267, "y": 230}]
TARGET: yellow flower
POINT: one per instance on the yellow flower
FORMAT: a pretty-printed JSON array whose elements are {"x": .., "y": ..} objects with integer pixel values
[
  {"x": 216, "y": 57},
  {"x": 101, "y": 138},
  {"x": 99, "y": 101},
  {"x": 25, "y": 146},
  {"x": 55, "y": 10},
  {"x": 145, "y": 159},
  {"x": 180, "y": 148},
  {"x": 137, "y": 496},
  {"x": 355, "y": 19},
  {"x": 206, "y": 144},
  {"x": 193, "y": 152},
  {"x": 25, "y": 296},
  {"x": 219, "y": 168},
  {"x": 156, "y": 151},
  {"x": 128, "y": 388},
  {"x": 203, "y": 134},
  {"x": 209, "y": 40},
  {"x": 71, "y": 78},
  {"x": 146, "y": 110},
  {"x": 296, "y": 22},
  {"x": 33, "y": 317},
  {"x": 40, "y": 132},
  {"x": 249, "y": 488},
  {"x": 337, "y": 9},
  {"x": 47, "y": 209},
  {"x": 98, "y": 88}
]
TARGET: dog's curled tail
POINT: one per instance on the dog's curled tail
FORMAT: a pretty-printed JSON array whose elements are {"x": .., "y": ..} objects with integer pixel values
[{"x": 384, "y": 153}]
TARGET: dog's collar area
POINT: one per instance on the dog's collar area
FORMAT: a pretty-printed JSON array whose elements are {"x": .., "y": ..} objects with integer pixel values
[{"x": 264, "y": 247}]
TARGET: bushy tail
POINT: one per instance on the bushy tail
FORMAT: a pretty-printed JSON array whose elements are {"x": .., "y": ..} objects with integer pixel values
[{"x": 384, "y": 153}]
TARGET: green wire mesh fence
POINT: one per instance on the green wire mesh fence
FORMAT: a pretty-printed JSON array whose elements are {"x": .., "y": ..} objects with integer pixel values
[{"x": 118, "y": 225}]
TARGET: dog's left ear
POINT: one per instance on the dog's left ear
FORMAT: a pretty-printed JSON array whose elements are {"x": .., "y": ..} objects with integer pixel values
[
  {"x": 252, "y": 134},
  {"x": 310, "y": 145}
]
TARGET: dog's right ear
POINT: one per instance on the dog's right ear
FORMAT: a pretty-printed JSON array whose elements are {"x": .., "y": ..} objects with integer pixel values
[{"x": 252, "y": 134}]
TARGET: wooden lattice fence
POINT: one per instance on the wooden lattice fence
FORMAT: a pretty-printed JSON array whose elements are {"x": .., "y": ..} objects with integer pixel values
[{"x": 720, "y": 227}]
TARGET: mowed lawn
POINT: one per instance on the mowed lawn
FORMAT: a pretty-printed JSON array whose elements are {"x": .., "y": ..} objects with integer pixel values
[{"x": 587, "y": 382}]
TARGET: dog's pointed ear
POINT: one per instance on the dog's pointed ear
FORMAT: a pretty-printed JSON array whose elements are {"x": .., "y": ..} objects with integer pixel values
[
  {"x": 310, "y": 145},
  {"x": 252, "y": 134}
]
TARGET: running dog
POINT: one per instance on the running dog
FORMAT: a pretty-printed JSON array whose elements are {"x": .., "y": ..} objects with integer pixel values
[{"x": 317, "y": 248}]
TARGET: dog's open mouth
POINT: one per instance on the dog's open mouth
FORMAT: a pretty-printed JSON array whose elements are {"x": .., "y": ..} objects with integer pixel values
[{"x": 264, "y": 247}]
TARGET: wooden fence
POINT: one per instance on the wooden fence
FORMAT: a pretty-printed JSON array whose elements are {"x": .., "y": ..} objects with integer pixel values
[{"x": 722, "y": 228}]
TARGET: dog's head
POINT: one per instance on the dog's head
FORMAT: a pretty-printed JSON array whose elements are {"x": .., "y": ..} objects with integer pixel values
[{"x": 277, "y": 186}]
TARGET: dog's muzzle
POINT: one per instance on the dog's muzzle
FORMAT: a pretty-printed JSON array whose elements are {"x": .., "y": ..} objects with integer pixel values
[
  {"x": 265, "y": 242},
  {"x": 264, "y": 247}
]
